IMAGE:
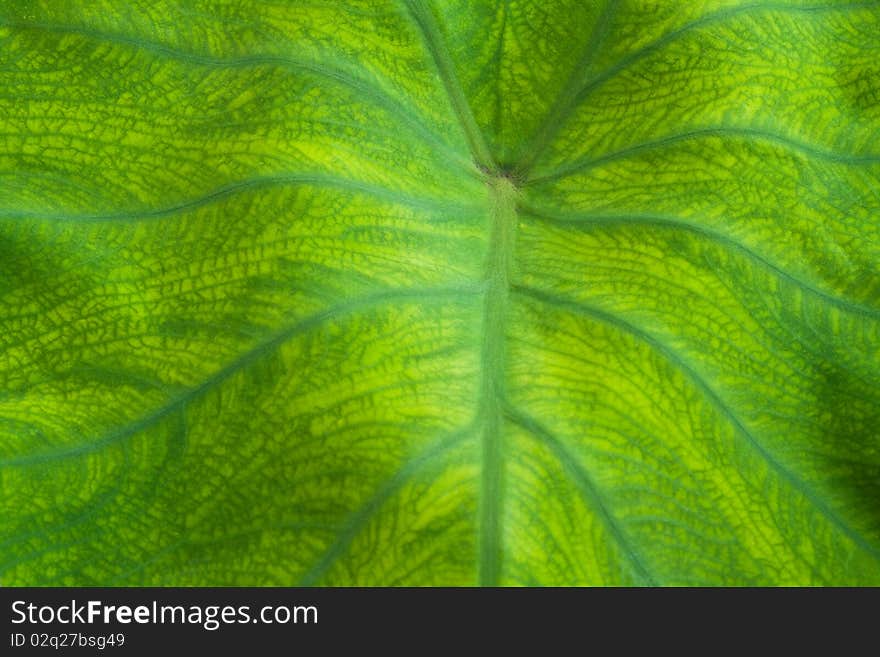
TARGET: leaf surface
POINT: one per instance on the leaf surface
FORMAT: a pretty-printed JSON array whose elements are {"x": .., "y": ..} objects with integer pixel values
[{"x": 440, "y": 293}]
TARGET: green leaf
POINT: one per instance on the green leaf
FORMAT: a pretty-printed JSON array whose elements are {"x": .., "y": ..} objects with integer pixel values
[{"x": 460, "y": 292}]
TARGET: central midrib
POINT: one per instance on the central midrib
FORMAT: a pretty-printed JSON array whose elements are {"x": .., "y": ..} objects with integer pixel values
[{"x": 502, "y": 227}]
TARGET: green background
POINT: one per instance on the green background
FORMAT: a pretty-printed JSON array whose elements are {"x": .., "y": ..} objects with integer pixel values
[{"x": 439, "y": 293}]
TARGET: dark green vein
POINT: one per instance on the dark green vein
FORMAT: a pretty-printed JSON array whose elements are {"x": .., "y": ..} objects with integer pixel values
[
  {"x": 242, "y": 362},
  {"x": 433, "y": 38},
  {"x": 359, "y": 518},
  {"x": 498, "y": 267},
  {"x": 726, "y": 412},
  {"x": 568, "y": 94},
  {"x": 750, "y": 135},
  {"x": 588, "y": 488},
  {"x": 572, "y": 100},
  {"x": 260, "y": 182},
  {"x": 365, "y": 89},
  {"x": 498, "y": 113},
  {"x": 711, "y": 19},
  {"x": 583, "y": 221}
]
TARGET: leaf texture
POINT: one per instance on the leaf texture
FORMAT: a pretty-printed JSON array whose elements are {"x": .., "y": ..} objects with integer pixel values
[{"x": 410, "y": 292}]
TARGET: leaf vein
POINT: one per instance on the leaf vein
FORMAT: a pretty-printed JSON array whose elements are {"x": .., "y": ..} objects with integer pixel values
[
  {"x": 229, "y": 190},
  {"x": 581, "y": 221},
  {"x": 675, "y": 359},
  {"x": 574, "y": 101},
  {"x": 747, "y": 134},
  {"x": 359, "y": 518},
  {"x": 366, "y": 89},
  {"x": 587, "y": 487},
  {"x": 240, "y": 363}
]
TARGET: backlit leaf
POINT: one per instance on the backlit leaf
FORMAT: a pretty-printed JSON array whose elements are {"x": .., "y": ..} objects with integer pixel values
[{"x": 444, "y": 292}]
